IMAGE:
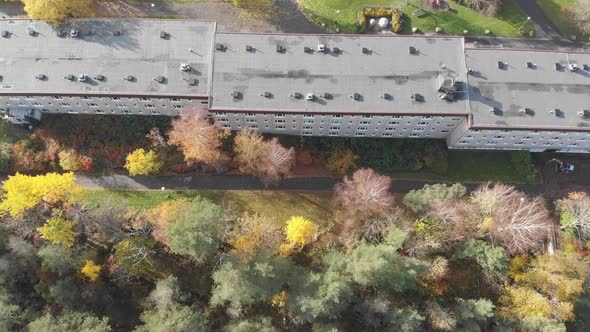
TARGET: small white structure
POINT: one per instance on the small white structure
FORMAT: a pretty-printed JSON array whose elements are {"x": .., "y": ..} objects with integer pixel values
[
  {"x": 383, "y": 22},
  {"x": 372, "y": 22}
]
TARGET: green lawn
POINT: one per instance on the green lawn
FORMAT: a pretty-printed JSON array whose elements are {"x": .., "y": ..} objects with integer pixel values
[
  {"x": 556, "y": 11},
  {"x": 471, "y": 166},
  {"x": 277, "y": 205},
  {"x": 507, "y": 23}
]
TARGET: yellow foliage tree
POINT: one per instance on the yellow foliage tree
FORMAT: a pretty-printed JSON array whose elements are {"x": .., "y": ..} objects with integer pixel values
[
  {"x": 22, "y": 192},
  {"x": 299, "y": 232},
  {"x": 56, "y": 11},
  {"x": 91, "y": 270},
  {"x": 140, "y": 162},
  {"x": 164, "y": 215},
  {"x": 58, "y": 231},
  {"x": 341, "y": 161}
]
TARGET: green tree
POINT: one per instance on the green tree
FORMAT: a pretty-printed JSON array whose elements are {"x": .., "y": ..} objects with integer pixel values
[
  {"x": 240, "y": 283},
  {"x": 59, "y": 259},
  {"x": 196, "y": 230},
  {"x": 541, "y": 324},
  {"x": 342, "y": 161},
  {"x": 382, "y": 268},
  {"x": 65, "y": 292},
  {"x": 135, "y": 256},
  {"x": 166, "y": 293},
  {"x": 259, "y": 324},
  {"x": 472, "y": 315},
  {"x": 404, "y": 320},
  {"x": 325, "y": 294},
  {"x": 492, "y": 260},
  {"x": 70, "y": 321},
  {"x": 11, "y": 315},
  {"x": 421, "y": 200},
  {"x": 5, "y": 157}
]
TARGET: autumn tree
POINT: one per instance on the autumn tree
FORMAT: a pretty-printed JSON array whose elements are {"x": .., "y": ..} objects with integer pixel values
[
  {"x": 56, "y": 11},
  {"x": 364, "y": 193},
  {"x": 22, "y": 192},
  {"x": 249, "y": 148},
  {"x": 72, "y": 161},
  {"x": 548, "y": 288},
  {"x": 276, "y": 163},
  {"x": 260, "y": 324},
  {"x": 135, "y": 257},
  {"x": 198, "y": 138},
  {"x": 254, "y": 233},
  {"x": 580, "y": 13},
  {"x": 341, "y": 161},
  {"x": 91, "y": 270},
  {"x": 575, "y": 214},
  {"x": 439, "y": 317},
  {"x": 58, "y": 231},
  {"x": 299, "y": 232},
  {"x": 140, "y": 162}
]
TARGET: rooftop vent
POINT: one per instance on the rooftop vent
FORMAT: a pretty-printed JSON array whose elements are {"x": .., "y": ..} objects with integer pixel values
[
  {"x": 40, "y": 77},
  {"x": 74, "y": 33},
  {"x": 336, "y": 50},
  {"x": 192, "y": 81},
  {"x": 307, "y": 49},
  {"x": 558, "y": 66},
  {"x": 310, "y": 96},
  {"x": 495, "y": 111},
  {"x": 70, "y": 77},
  {"x": 356, "y": 96},
  {"x": 99, "y": 77},
  {"x": 236, "y": 94},
  {"x": 573, "y": 67},
  {"x": 584, "y": 113},
  {"x": 321, "y": 48},
  {"x": 531, "y": 65},
  {"x": 185, "y": 67},
  {"x": 129, "y": 78},
  {"x": 163, "y": 34},
  {"x": 385, "y": 96},
  {"x": 220, "y": 47},
  {"x": 502, "y": 65},
  {"x": 556, "y": 112},
  {"x": 526, "y": 111},
  {"x": 266, "y": 94},
  {"x": 5, "y": 34},
  {"x": 117, "y": 33},
  {"x": 417, "y": 97},
  {"x": 249, "y": 48},
  {"x": 280, "y": 49},
  {"x": 296, "y": 95},
  {"x": 366, "y": 50},
  {"x": 327, "y": 95},
  {"x": 413, "y": 50},
  {"x": 32, "y": 33},
  {"x": 160, "y": 79},
  {"x": 82, "y": 78},
  {"x": 586, "y": 67},
  {"x": 61, "y": 33}
]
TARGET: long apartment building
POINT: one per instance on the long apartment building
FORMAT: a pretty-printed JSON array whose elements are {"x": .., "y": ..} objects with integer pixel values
[{"x": 310, "y": 85}]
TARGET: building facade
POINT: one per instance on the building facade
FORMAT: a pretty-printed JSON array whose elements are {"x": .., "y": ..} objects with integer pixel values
[{"x": 309, "y": 85}]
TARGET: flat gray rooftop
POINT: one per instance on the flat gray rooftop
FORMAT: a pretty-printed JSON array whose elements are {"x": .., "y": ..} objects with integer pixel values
[
  {"x": 266, "y": 79},
  {"x": 553, "y": 98},
  {"x": 114, "y": 48}
]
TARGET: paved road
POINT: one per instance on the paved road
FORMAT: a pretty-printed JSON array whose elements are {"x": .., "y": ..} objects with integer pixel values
[
  {"x": 239, "y": 182},
  {"x": 544, "y": 27}
]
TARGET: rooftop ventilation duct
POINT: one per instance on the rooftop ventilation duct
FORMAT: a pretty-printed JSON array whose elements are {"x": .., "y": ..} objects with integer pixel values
[
  {"x": 356, "y": 96},
  {"x": 556, "y": 112},
  {"x": 61, "y": 33},
  {"x": 310, "y": 96},
  {"x": 185, "y": 67},
  {"x": 32, "y": 33},
  {"x": 74, "y": 33},
  {"x": 495, "y": 111},
  {"x": 266, "y": 94},
  {"x": 296, "y": 95},
  {"x": 117, "y": 33},
  {"x": 584, "y": 113},
  {"x": 5, "y": 33},
  {"x": 385, "y": 96},
  {"x": 236, "y": 94},
  {"x": 417, "y": 97},
  {"x": 307, "y": 49},
  {"x": 99, "y": 77},
  {"x": 573, "y": 67},
  {"x": 160, "y": 79},
  {"x": 327, "y": 95},
  {"x": 558, "y": 66},
  {"x": 192, "y": 81},
  {"x": 321, "y": 48},
  {"x": 502, "y": 65},
  {"x": 249, "y": 48},
  {"x": 129, "y": 78},
  {"x": 82, "y": 78},
  {"x": 220, "y": 47},
  {"x": 531, "y": 65},
  {"x": 413, "y": 50},
  {"x": 336, "y": 50},
  {"x": 281, "y": 49},
  {"x": 163, "y": 34},
  {"x": 40, "y": 77},
  {"x": 69, "y": 77},
  {"x": 526, "y": 111},
  {"x": 366, "y": 50}
]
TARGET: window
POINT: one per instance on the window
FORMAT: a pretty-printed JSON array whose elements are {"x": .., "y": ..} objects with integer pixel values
[
  {"x": 423, "y": 123},
  {"x": 418, "y": 129},
  {"x": 334, "y": 128},
  {"x": 396, "y": 117},
  {"x": 150, "y": 106},
  {"x": 367, "y": 116},
  {"x": 253, "y": 126},
  {"x": 175, "y": 100},
  {"x": 177, "y": 106},
  {"x": 308, "y": 121},
  {"x": 28, "y": 98},
  {"x": 280, "y": 126},
  {"x": 86, "y": 98},
  {"x": 279, "y": 115},
  {"x": 308, "y": 116},
  {"x": 307, "y": 133},
  {"x": 154, "y": 112},
  {"x": 220, "y": 113},
  {"x": 93, "y": 104},
  {"x": 362, "y": 128},
  {"x": 145, "y": 99},
  {"x": 279, "y": 121},
  {"x": 337, "y": 116},
  {"x": 36, "y": 104},
  {"x": 519, "y": 143},
  {"x": 365, "y": 122},
  {"x": 427, "y": 117},
  {"x": 389, "y": 129},
  {"x": 16, "y": 97},
  {"x": 359, "y": 134},
  {"x": 308, "y": 127},
  {"x": 387, "y": 134},
  {"x": 250, "y": 114},
  {"x": 491, "y": 143},
  {"x": 225, "y": 126},
  {"x": 98, "y": 111},
  {"x": 72, "y": 112},
  {"x": 463, "y": 142},
  {"x": 393, "y": 123},
  {"x": 121, "y": 106},
  {"x": 527, "y": 137},
  {"x": 250, "y": 120},
  {"x": 414, "y": 135},
  {"x": 126, "y": 112},
  {"x": 336, "y": 122},
  {"x": 498, "y": 136},
  {"x": 223, "y": 120},
  {"x": 475, "y": 130},
  {"x": 333, "y": 133},
  {"x": 115, "y": 98},
  {"x": 64, "y": 104}
]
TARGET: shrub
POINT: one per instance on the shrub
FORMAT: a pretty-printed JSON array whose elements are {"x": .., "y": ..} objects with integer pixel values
[
  {"x": 523, "y": 166},
  {"x": 396, "y": 17},
  {"x": 5, "y": 157}
]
